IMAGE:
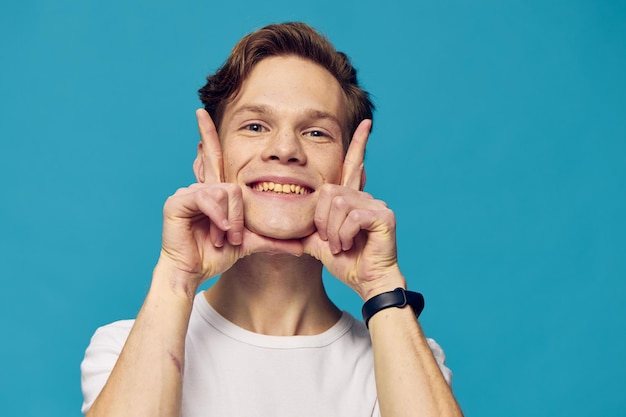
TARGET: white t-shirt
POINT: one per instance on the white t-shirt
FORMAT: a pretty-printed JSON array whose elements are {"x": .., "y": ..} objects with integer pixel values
[{"x": 230, "y": 371}]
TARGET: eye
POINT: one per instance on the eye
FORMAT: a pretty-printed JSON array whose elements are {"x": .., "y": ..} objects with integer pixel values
[
  {"x": 255, "y": 127},
  {"x": 316, "y": 133}
]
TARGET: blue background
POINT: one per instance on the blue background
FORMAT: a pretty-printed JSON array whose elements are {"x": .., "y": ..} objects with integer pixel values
[{"x": 500, "y": 142}]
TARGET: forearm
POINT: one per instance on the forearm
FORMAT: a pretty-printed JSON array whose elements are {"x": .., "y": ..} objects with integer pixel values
[
  {"x": 147, "y": 378},
  {"x": 408, "y": 379}
]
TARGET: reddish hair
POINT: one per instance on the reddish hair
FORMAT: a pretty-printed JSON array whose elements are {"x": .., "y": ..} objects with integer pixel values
[{"x": 291, "y": 38}]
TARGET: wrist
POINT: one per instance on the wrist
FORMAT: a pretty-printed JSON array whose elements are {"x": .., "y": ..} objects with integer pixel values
[
  {"x": 167, "y": 277},
  {"x": 398, "y": 298},
  {"x": 388, "y": 282}
]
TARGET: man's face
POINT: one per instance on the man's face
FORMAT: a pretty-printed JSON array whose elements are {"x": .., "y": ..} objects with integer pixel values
[{"x": 282, "y": 139}]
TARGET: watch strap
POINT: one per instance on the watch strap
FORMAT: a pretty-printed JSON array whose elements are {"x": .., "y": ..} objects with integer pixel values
[{"x": 397, "y": 298}]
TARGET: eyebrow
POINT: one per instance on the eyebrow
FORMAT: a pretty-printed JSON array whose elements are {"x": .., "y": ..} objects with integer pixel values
[
  {"x": 254, "y": 108},
  {"x": 264, "y": 109}
]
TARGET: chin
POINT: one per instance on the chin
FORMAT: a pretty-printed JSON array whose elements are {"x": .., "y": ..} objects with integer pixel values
[{"x": 281, "y": 229}]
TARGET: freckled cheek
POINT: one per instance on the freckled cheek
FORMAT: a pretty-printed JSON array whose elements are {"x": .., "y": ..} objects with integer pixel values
[
  {"x": 333, "y": 172},
  {"x": 237, "y": 155}
]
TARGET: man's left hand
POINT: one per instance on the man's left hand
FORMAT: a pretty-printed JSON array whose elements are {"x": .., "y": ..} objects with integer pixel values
[{"x": 355, "y": 237}]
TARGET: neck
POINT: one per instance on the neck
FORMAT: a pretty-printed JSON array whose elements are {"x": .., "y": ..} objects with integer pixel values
[{"x": 279, "y": 295}]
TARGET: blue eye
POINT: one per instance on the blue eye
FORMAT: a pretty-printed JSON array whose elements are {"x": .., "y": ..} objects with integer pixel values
[{"x": 316, "y": 133}]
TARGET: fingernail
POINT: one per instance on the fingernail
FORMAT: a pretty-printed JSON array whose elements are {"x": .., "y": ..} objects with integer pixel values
[
  {"x": 219, "y": 242},
  {"x": 226, "y": 224},
  {"x": 237, "y": 238}
]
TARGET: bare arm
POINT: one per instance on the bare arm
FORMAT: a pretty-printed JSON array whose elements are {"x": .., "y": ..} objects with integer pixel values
[
  {"x": 408, "y": 379},
  {"x": 147, "y": 378}
]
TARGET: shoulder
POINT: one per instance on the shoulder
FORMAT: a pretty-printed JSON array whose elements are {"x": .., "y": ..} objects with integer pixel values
[
  {"x": 106, "y": 344},
  {"x": 100, "y": 358},
  {"x": 113, "y": 334},
  {"x": 440, "y": 357}
]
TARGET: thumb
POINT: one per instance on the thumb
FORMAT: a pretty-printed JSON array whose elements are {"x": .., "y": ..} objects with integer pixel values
[{"x": 314, "y": 246}]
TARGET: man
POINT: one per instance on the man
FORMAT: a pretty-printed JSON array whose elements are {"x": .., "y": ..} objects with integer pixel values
[{"x": 279, "y": 196}]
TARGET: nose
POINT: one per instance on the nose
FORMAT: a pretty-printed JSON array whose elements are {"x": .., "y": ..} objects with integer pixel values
[{"x": 285, "y": 147}]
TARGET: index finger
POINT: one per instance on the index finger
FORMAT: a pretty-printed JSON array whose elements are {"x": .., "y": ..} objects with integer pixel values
[
  {"x": 212, "y": 158},
  {"x": 352, "y": 172}
]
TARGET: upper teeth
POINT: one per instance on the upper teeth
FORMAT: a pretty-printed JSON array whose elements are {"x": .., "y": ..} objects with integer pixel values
[{"x": 280, "y": 188}]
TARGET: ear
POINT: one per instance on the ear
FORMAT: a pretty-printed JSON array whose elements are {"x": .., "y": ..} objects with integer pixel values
[
  {"x": 198, "y": 165},
  {"x": 363, "y": 179}
]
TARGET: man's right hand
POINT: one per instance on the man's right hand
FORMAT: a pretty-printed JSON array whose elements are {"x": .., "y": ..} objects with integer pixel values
[{"x": 203, "y": 224}]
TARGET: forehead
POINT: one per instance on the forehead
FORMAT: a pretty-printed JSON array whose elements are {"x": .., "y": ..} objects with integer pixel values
[{"x": 291, "y": 85}]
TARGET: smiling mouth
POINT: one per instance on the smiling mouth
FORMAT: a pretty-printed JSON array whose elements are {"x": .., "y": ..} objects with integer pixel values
[{"x": 268, "y": 186}]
